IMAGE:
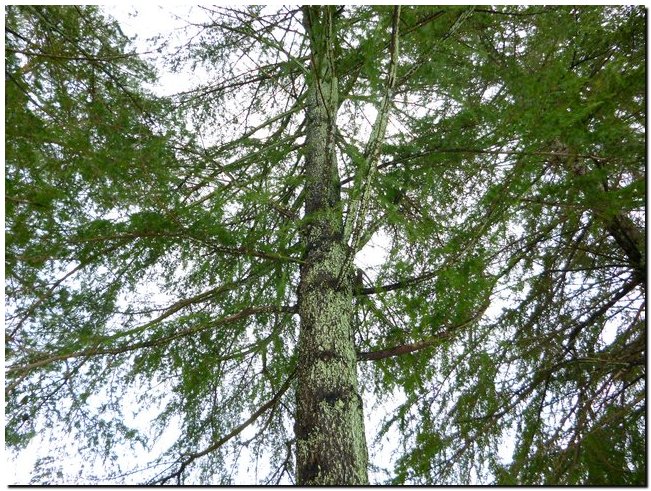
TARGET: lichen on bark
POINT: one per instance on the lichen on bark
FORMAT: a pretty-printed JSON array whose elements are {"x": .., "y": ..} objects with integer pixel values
[
  {"x": 331, "y": 446},
  {"x": 330, "y": 436}
]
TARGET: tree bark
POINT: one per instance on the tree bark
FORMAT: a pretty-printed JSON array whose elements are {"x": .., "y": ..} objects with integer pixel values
[
  {"x": 330, "y": 438},
  {"x": 620, "y": 227}
]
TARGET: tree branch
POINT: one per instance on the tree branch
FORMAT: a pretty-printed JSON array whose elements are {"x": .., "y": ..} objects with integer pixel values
[
  {"x": 223, "y": 440},
  {"x": 398, "y": 284},
  {"x": 578, "y": 327},
  {"x": 424, "y": 343},
  {"x": 235, "y": 251},
  {"x": 357, "y": 209},
  {"x": 480, "y": 151},
  {"x": 97, "y": 351}
]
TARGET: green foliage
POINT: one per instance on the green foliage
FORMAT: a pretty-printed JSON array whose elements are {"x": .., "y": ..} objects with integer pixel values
[{"x": 153, "y": 244}]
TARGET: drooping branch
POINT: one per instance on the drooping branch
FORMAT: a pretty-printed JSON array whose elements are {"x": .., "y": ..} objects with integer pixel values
[
  {"x": 125, "y": 348},
  {"x": 423, "y": 343},
  {"x": 235, "y": 251},
  {"x": 619, "y": 226},
  {"x": 70, "y": 57},
  {"x": 48, "y": 293},
  {"x": 99, "y": 65},
  {"x": 186, "y": 302},
  {"x": 596, "y": 314},
  {"x": 265, "y": 72},
  {"x": 265, "y": 41},
  {"x": 226, "y": 438},
  {"x": 479, "y": 151}
]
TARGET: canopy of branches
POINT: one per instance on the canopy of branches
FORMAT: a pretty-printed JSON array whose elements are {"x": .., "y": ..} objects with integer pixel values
[{"x": 153, "y": 250}]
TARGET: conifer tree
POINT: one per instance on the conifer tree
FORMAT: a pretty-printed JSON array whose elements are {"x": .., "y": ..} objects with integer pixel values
[{"x": 193, "y": 259}]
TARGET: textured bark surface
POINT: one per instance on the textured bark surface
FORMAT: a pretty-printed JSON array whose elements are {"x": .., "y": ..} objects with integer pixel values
[
  {"x": 620, "y": 227},
  {"x": 330, "y": 438}
]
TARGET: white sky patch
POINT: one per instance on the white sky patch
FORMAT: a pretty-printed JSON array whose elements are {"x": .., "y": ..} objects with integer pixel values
[
  {"x": 144, "y": 22},
  {"x": 373, "y": 255}
]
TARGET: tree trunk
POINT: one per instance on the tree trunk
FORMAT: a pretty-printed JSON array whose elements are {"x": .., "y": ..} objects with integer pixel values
[{"x": 330, "y": 438}]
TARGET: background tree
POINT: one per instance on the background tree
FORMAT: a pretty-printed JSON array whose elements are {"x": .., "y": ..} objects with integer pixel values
[{"x": 195, "y": 255}]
